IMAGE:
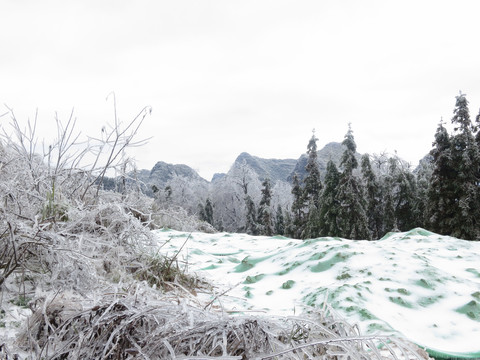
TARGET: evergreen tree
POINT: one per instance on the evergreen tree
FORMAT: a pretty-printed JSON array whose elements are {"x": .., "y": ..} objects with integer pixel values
[
  {"x": 298, "y": 212},
  {"x": 388, "y": 206},
  {"x": 441, "y": 206},
  {"x": 312, "y": 191},
  {"x": 372, "y": 197},
  {"x": 405, "y": 199},
  {"x": 313, "y": 184},
  {"x": 329, "y": 204},
  {"x": 423, "y": 178},
  {"x": 251, "y": 226},
  {"x": 313, "y": 222},
  {"x": 209, "y": 212},
  {"x": 264, "y": 210},
  {"x": 279, "y": 221},
  {"x": 465, "y": 157},
  {"x": 353, "y": 222},
  {"x": 205, "y": 213}
]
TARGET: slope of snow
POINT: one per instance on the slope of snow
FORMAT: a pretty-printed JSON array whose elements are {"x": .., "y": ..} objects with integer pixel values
[{"x": 419, "y": 284}]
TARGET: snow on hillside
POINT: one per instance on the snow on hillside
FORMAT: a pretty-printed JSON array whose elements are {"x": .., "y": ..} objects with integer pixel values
[{"x": 418, "y": 284}]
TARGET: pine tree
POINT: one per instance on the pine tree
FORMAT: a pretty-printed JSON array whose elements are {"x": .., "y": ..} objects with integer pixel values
[
  {"x": 312, "y": 191},
  {"x": 353, "y": 222},
  {"x": 423, "y": 178},
  {"x": 205, "y": 213},
  {"x": 388, "y": 206},
  {"x": 313, "y": 223},
  {"x": 251, "y": 226},
  {"x": 405, "y": 200},
  {"x": 373, "y": 198},
  {"x": 329, "y": 204},
  {"x": 209, "y": 212},
  {"x": 313, "y": 184},
  {"x": 298, "y": 212},
  {"x": 264, "y": 210},
  {"x": 465, "y": 157},
  {"x": 279, "y": 221},
  {"x": 441, "y": 206}
]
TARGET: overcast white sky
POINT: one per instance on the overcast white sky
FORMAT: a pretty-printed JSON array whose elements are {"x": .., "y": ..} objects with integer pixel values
[{"x": 226, "y": 76}]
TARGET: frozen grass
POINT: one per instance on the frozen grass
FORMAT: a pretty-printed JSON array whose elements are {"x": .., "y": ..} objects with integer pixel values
[{"x": 132, "y": 327}]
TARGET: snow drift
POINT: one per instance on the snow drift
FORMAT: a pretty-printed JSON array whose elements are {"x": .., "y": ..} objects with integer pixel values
[{"x": 421, "y": 285}]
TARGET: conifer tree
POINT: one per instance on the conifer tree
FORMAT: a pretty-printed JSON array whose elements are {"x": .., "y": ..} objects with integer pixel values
[
  {"x": 264, "y": 210},
  {"x": 405, "y": 200},
  {"x": 206, "y": 212},
  {"x": 313, "y": 222},
  {"x": 312, "y": 191},
  {"x": 465, "y": 157},
  {"x": 313, "y": 184},
  {"x": 251, "y": 226},
  {"x": 279, "y": 221},
  {"x": 388, "y": 206},
  {"x": 329, "y": 204},
  {"x": 353, "y": 222},
  {"x": 423, "y": 178},
  {"x": 441, "y": 206},
  {"x": 298, "y": 212},
  {"x": 403, "y": 191},
  {"x": 209, "y": 212},
  {"x": 373, "y": 198}
]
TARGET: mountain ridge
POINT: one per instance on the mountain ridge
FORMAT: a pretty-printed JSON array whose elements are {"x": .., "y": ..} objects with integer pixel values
[{"x": 273, "y": 168}]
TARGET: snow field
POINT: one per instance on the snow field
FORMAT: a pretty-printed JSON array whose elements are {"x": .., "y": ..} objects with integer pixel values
[{"x": 419, "y": 284}]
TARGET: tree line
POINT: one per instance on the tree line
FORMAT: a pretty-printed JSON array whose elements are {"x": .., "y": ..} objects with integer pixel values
[{"x": 364, "y": 198}]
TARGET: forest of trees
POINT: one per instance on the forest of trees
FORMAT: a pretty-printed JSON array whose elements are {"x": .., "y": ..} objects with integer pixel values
[{"x": 368, "y": 197}]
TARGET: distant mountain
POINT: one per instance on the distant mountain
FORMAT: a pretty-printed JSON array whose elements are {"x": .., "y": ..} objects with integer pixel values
[
  {"x": 162, "y": 173},
  {"x": 332, "y": 151},
  {"x": 274, "y": 169}
]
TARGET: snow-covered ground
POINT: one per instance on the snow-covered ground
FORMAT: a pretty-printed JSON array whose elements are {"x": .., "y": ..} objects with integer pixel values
[{"x": 419, "y": 284}]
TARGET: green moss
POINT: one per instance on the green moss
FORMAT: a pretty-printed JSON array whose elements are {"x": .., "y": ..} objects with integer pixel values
[
  {"x": 289, "y": 267},
  {"x": 472, "y": 310},
  {"x": 473, "y": 271},
  {"x": 197, "y": 252},
  {"x": 429, "y": 300},
  {"x": 400, "y": 301},
  {"x": 244, "y": 265},
  {"x": 425, "y": 284},
  {"x": 344, "y": 276},
  {"x": 253, "y": 279},
  {"x": 328, "y": 264},
  {"x": 318, "y": 256},
  {"x": 366, "y": 315},
  {"x": 403, "y": 291},
  {"x": 288, "y": 284},
  {"x": 247, "y": 263}
]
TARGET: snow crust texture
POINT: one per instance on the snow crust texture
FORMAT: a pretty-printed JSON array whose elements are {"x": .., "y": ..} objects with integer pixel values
[{"x": 421, "y": 285}]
